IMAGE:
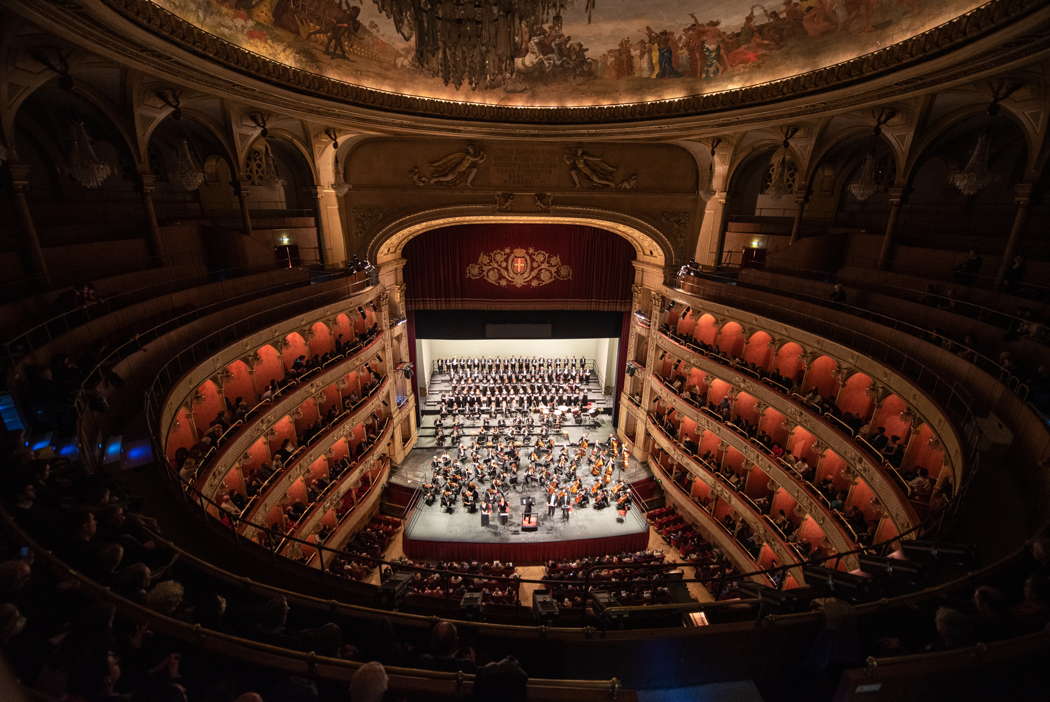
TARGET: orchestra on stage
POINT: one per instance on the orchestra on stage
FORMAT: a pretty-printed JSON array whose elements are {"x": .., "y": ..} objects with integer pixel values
[{"x": 486, "y": 480}]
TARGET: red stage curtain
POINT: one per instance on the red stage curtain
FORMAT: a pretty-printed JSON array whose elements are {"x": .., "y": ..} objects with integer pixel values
[
  {"x": 536, "y": 552},
  {"x": 436, "y": 269}
]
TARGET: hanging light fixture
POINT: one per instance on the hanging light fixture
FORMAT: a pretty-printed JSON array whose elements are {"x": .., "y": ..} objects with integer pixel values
[
  {"x": 339, "y": 184},
  {"x": 976, "y": 176},
  {"x": 85, "y": 167},
  {"x": 865, "y": 186},
  {"x": 264, "y": 169},
  {"x": 268, "y": 172},
  {"x": 781, "y": 170},
  {"x": 778, "y": 174},
  {"x": 474, "y": 42},
  {"x": 186, "y": 173},
  {"x": 868, "y": 183},
  {"x": 707, "y": 191}
]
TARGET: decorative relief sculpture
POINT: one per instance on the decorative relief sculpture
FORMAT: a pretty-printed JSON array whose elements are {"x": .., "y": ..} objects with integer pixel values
[
  {"x": 590, "y": 171},
  {"x": 504, "y": 201},
  {"x": 519, "y": 268},
  {"x": 459, "y": 168}
]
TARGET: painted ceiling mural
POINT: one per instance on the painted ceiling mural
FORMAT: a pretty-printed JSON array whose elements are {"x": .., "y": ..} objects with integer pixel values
[{"x": 563, "y": 52}]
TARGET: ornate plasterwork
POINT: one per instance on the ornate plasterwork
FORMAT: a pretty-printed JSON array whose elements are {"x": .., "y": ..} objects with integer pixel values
[
  {"x": 954, "y": 34},
  {"x": 456, "y": 169},
  {"x": 519, "y": 268}
]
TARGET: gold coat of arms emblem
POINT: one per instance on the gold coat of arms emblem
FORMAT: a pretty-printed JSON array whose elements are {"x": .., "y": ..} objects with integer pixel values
[{"x": 519, "y": 268}]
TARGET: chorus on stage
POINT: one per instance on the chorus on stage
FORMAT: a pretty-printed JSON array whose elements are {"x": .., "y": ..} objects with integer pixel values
[{"x": 517, "y": 397}]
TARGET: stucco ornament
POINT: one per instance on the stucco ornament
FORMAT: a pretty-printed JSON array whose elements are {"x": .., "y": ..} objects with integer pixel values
[
  {"x": 457, "y": 168},
  {"x": 519, "y": 268}
]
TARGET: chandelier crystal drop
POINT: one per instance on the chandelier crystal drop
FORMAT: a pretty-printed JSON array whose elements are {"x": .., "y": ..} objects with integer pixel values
[
  {"x": 471, "y": 41},
  {"x": 976, "y": 176},
  {"x": 865, "y": 186},
  {"x": 85, "y": 167},
  {"x": 187, "y": 174}
]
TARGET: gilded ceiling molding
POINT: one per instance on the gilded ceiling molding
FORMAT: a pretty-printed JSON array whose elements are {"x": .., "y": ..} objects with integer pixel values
[
  {"x": 651, "y": 245},
  {"x": 953, "y": 34}
]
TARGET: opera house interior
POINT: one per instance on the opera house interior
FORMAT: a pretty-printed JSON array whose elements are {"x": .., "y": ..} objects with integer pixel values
[{"x": 589, "y": 350}]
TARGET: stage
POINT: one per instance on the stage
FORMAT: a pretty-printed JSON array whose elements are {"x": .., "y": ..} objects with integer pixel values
[{"x": 433, "y": 534}]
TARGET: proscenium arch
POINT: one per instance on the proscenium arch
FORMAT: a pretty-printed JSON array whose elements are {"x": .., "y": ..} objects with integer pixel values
[{"x": 650, "y": 246}]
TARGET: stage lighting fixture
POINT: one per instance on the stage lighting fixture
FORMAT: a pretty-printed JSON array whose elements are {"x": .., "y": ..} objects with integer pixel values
[
  {"x": 471, "y": 603},
  {"x": 395, "y": 588},
  {"x": 948, "y": 554},
  {"x": 601, "y": 601},
  {"x": 877, "y": 565},
  {"x": 544, "y": 606},
  {"x": 779, "y": 599},
  {"x": 828, "y": 581}
]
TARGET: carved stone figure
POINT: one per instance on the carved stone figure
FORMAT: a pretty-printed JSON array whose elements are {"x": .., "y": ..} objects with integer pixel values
[
  {"x": 458, "y": 168},
  {"x": 590, "y": 171}
]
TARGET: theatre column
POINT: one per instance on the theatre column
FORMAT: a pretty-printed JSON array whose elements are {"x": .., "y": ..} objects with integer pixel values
[
  {"x": 1023, "y": 198},
  {"x": 711, "y": 241},
  {"x": 796, "y": 224},
  {"x": 153, "y": 239},
  {"x": 242, "y": 200},
  {"x": 30, "y": 240},
  {"x": 656, "y": 303},
  {"x": 896, "y": 196},
  {"x": 330, "y": 240},
  {"x": 389, "y": 366}
]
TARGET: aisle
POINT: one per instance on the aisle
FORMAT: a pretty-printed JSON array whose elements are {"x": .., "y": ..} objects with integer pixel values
[{"x": 696, "y": 590}]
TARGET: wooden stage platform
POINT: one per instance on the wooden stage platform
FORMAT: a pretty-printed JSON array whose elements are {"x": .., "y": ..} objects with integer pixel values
[{"x": 433, "y": 534}]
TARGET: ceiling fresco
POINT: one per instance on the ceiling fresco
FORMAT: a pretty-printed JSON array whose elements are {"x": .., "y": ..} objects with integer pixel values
[{"x": 568, "y": 52}]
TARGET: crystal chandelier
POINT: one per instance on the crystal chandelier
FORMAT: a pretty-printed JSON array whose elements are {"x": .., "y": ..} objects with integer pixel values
[
  {"x": 975, "y": 176},
  {"x": 186, "y": 173},
  {"x": 85, "y": 167},
  {"x": 865, "y": 186},
  {"x": 471, "y": 41},
  {"x": 707, "y": 191},
  {"x": 779, "y": 166},
  {"x": 264, "y": 168}
]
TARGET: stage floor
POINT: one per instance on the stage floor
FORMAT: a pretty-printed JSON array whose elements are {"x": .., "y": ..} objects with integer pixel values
[
  {"x": 433, "y": 534},
  {"x": 433, "y": 523}
]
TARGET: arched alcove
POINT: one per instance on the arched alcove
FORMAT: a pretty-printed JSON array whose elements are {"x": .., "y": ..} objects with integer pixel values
[
  {"x": 70, "y": 215},
  {"x": 937, "y": 215},
  {"x": 832, "y": 201},
  {"x": 170, "y": 145}
]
